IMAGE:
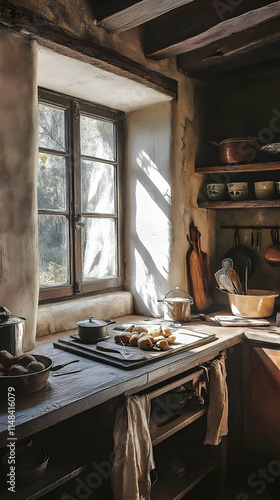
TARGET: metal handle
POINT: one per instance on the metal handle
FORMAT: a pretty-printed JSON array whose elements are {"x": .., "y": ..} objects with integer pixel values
[
  {"x": 78, "y": 222},
  {"x": 177, "y": 288}
]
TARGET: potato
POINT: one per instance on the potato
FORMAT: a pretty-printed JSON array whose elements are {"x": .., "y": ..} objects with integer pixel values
[
  {"x": 139, "y": 329},
  {"x": 167, "y": 332},
  {"x": 155, "y": 330},
  {"x": 6, "y": 359},
  {"x": 35, "y": 366},
  {"x": 163, "y": 345},
  {"x": 171, "y": 339},
  {"x": 124, "y": 337},
  {"x": 133, "y": 341},
  {"x": 145, "y": 343},
  {"x": 143, "y": 334},
  {"x": 117, "y": 338},
  {"x": 157, "y": 339},
  {"x": 25, "y": 359},
  {"x": 130, "y": 328},
  {"x": 17, "y": 370}
]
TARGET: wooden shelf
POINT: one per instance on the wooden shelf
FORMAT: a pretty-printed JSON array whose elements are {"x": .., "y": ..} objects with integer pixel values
[
  {"x": 187, "y": 416},
  {"x": 246, "y": 167},
  {"x": 175, "y": 489},
  {"x": 239, "y": 204}
]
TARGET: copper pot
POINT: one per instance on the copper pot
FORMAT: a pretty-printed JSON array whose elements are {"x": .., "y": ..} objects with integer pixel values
[{"x": 235, "y": 150}]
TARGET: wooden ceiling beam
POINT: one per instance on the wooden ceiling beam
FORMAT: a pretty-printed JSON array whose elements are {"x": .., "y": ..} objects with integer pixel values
[
  {"x": 202, "y": 23},
  {"x": 258, "y": 42},
  {"x": 116, "y": 16}
]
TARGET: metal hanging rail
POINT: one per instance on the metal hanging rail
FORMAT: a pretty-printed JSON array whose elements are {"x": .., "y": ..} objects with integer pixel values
[{"x": 236, "y": 226}]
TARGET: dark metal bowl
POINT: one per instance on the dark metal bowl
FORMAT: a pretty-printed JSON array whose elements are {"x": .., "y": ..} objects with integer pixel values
[
  {"x": 30, "y": 464},
  {"x": 31, "y": 382}
]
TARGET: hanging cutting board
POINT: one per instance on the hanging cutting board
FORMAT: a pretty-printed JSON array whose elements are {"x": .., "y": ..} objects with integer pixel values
[{"x": 198, "y": 267}]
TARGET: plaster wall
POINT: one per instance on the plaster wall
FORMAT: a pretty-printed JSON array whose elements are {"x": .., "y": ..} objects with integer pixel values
[
  {"x": 162, "y": 186},
  {"x": 18, "y": 201}
]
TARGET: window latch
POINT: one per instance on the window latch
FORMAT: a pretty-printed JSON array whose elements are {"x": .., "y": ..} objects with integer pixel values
[{"x": 78, "y": 222}]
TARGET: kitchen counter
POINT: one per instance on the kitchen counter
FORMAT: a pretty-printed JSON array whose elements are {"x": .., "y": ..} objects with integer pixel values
[{"x": 67, "y": 395}]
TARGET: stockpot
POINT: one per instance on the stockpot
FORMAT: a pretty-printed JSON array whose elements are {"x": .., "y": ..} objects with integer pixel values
[
  {"x": 11, "y": 332},
  {"x": 177, "y": 308}
]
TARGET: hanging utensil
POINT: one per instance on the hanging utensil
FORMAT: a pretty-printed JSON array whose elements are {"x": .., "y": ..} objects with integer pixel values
[
  {"x": 228, "y": 265},
  {"x": 272, "y": 253},
  {"x": 227, "y": 283},
  {"x": 252, "y": 239},
  {"x": 246, "y": 282},
  {"x": 258, "y": 239}
]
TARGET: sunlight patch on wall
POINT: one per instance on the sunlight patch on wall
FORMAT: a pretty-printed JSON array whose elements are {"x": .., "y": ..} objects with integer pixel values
[
  {"x": 153, "y": 173},
  {"x": 146, "y": 286}
]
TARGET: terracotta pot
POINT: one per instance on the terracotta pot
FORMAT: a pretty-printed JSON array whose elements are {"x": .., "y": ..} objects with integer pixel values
[{"x": 235, "y": 150}]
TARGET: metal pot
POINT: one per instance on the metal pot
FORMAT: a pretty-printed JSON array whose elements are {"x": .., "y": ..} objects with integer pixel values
[
  {"x": 235, "y": 150},
  {"x": 177, "y": 308},
  {"x": 93, "y": 329},
  {"x": 272, "y": 253},
  {"x": 11, "y": 332}
]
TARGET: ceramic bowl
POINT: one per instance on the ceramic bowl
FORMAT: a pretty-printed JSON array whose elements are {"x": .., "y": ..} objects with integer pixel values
[
  {"x": 233, "y": 186},
  {"x": 264, "y": 190},
  {"x": 239, "y": 195},
  {"x": 216, "y": 191},
  {"x": 257, "y": 304}
]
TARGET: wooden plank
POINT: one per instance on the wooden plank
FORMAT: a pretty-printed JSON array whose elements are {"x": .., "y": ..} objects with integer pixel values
[
  {"x": 187, "y": 417},
  {"x": 86, "y": 50},
  {"x": 123, "y": 15},
  {"x": 239, "y": 204},
  {"x": 164, "y": 36},
  {"x": 246, "y": 167}
]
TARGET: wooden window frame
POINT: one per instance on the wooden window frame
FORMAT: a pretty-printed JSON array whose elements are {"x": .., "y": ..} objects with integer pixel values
[{"x": 73, "y": 107}]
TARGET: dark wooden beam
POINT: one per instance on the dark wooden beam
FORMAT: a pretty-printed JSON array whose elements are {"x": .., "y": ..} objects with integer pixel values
[
  {"x": 201, "y": 23},
  {"x": 255, "y": 45},
  {"x": 122, "y": 15},
  {"x": 84, "y": 49}
]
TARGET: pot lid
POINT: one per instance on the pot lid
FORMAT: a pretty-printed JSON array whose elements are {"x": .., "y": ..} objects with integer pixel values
[
  {"x": 177, "y": 299},
  {"x": 92, "y": 322},
  {"x": 6, "y": 317}
]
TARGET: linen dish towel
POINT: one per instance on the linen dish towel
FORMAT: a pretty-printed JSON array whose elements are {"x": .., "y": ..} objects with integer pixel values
[
  {"x": 133, "y": 451},
  {"x": 217, "y": 415}
]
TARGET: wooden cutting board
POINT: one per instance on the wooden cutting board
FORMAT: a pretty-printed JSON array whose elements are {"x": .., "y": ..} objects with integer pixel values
[
  {"x": 202, "y": 288},
  {"x": 184, "y": 341}
]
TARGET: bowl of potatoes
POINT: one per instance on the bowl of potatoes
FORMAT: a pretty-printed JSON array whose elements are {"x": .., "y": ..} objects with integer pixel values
[{"x": 24, "y": 374}]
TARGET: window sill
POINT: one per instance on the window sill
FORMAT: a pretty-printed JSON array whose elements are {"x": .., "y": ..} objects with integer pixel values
[{"x": 62, "y": 316}]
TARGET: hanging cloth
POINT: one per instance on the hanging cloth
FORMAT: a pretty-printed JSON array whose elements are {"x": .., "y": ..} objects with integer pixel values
[
  {"x": 217, "y": 416},
  {"x": 133, "y": 451}
]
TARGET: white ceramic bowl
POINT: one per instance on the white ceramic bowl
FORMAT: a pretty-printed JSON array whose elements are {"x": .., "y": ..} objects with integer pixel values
[
  {"x": 216, "y": 191},
  {"x": 237, "y": 185},
  {"x": 257, "y": 304},
  {"x": 238, "y": 194},
  {"x": 264, "y": 190}
]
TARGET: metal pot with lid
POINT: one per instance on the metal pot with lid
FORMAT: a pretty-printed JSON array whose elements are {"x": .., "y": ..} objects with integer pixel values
[
  {"x": 11, "y": 332},
  {"x": 177, "y": 308},
  {"x": 93, "y": 329}
]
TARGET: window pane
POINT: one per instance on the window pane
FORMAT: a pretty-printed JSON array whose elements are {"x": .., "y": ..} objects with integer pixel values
[
  {"x": 51, "y": 127},
  {"x": 98, "y": 187},
  {"x": 99, "y": 249},
  {"x": 51, "y": 182},
  {"x": 53, "y": 250},
  {"x": 97, "y": 138}
]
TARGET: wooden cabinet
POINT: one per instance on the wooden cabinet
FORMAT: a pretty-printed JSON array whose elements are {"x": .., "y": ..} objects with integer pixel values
[{"x": 183, "y": 436}]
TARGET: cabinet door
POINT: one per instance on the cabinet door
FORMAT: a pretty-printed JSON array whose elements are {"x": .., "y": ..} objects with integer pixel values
[{"x": 261, "y": 400}]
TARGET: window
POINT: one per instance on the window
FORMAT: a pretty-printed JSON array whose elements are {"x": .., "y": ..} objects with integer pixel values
[{"x": 79, "y": 197}]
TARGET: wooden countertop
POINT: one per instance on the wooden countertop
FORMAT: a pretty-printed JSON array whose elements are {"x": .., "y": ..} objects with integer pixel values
[{"x": 68, "y": 395}]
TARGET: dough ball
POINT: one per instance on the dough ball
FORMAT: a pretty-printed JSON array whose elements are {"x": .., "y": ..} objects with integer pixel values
[
  {"x": 35, "y": 366},
  {"x": 163, "y": 345},
  {"x": 17, "y": 370},
  {"x": 145, "y": 343},
  {"x": 133, "y": 341},
  {"x": 25, "y": 359}
]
